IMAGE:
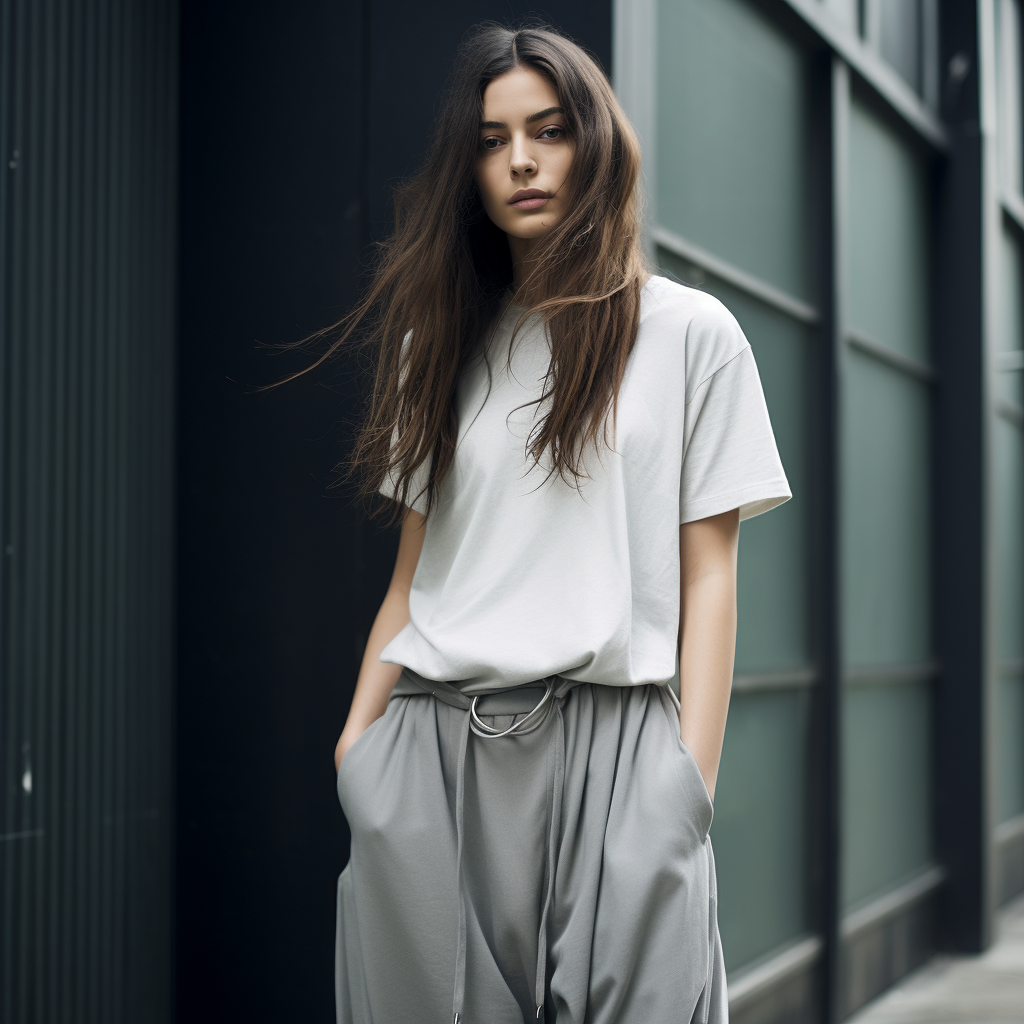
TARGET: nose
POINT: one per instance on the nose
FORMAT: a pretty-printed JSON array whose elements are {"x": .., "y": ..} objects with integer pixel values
[{"x": 521, "y": 162}]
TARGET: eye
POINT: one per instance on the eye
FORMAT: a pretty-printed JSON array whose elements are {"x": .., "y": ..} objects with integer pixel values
[
  {"x": 489, "y": 139},
  {"x": 552, "y": 128}
]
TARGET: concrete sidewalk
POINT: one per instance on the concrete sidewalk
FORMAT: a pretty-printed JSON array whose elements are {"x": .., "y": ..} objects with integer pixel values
[{"x": 986, "y": 989}]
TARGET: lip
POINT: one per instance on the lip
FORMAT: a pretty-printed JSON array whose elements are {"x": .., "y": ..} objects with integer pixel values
[{"x": 529, "y": 199}]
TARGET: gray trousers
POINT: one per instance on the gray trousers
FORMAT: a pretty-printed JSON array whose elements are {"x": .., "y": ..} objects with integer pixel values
[{"x": 562, "y": 874}]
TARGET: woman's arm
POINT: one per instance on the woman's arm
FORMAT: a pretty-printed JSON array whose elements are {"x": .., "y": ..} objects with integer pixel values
[
  {"x": 376, "y": 678},
  {"x": 707, "y": 628}
]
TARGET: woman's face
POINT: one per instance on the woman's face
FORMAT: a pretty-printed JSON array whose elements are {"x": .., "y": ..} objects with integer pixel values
[{"x": 523, "y": 147}]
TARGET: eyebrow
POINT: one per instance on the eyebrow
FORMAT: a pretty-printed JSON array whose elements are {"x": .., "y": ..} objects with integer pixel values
[{"x": 533, "y": 117}]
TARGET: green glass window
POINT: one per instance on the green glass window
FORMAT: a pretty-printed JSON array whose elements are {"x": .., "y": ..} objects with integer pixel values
[
  {"x": 900, "y": 38},
  {"x": 1008, "y": 514},
  {"x": 1009, "y": 93},
  {"x": 888, "y": 237},
  {"x": 760, "y": 815},
  {"x": 886, "y": 578},
  {"x": 1008, "y": 458},
  {"x": 1009, "y": 741},
  {"x": 886, "y": 786},
  {"x": 886, "y": 511},
  {"x": 1009, "y": 383},
  {"x": 731, "y": 168}
]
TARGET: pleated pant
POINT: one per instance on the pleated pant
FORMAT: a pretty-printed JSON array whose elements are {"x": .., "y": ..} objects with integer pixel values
[{"x": 563, "y": 874}]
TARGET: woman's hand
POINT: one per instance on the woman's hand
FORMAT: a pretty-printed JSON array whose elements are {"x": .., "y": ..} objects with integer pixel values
[
  {"x": 349, "y": 735},
  {"x": 344, "y": 742}
]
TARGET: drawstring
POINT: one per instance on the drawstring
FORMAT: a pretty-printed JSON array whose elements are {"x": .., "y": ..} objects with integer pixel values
[
  {"x": 460, "y": 949},
  {"x": 557, "y": 783},
  {"x": 528, "y": 723}
]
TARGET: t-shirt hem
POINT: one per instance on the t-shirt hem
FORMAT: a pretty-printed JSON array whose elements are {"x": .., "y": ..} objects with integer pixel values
[
  {"x": 479, "y": 683},
  {"x": 751, "y": 500},
  {"x": 419, "y": 504}
]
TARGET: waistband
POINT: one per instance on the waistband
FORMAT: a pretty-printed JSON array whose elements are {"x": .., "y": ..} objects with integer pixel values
[{"x": 512, "y": 700}]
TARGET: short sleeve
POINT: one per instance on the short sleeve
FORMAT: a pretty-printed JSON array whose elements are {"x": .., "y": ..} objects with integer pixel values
[
  {"x": 730, "y": 459},
  {"x": 417, "y": 492}
]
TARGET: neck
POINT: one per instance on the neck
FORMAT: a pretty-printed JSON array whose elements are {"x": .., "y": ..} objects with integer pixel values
[{"x": 521, "y": 248}]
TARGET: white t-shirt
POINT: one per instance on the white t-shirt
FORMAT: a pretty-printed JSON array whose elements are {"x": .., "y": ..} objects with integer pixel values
[{"x": 520, "y": 579}]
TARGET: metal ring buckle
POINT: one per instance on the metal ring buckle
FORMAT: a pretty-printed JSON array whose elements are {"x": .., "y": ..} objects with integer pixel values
[{"x": 487, "y": 733}]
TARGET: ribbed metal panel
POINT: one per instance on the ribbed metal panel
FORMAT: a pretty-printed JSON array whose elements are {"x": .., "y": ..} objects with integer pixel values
[{"x": 88, "y": 134}]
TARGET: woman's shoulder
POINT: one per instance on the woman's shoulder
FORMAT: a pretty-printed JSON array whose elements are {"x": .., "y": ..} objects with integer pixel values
[
  {"x": 672, "y": 299},
  {"x": 697, "y": 322}
]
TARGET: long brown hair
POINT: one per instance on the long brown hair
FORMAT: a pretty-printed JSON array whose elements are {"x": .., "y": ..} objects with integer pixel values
[{"x": 440, "y": 276}]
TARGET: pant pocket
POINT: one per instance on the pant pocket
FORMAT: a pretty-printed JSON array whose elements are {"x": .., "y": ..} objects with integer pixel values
[
  {"x": 694, "y": 788},
  {"x": 351, "y": 776}
]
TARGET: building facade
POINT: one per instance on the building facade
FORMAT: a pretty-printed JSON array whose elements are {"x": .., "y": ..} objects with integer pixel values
[{"x": 847, "y": 179}]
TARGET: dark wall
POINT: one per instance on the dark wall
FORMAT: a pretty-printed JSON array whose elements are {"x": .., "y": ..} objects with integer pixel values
[
  {"x": 296, "y": 120},
  {"x": 88, "y": 135}
]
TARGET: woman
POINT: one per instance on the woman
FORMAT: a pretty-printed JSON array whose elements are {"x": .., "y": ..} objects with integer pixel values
[{"x": 572, "y": 443}]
